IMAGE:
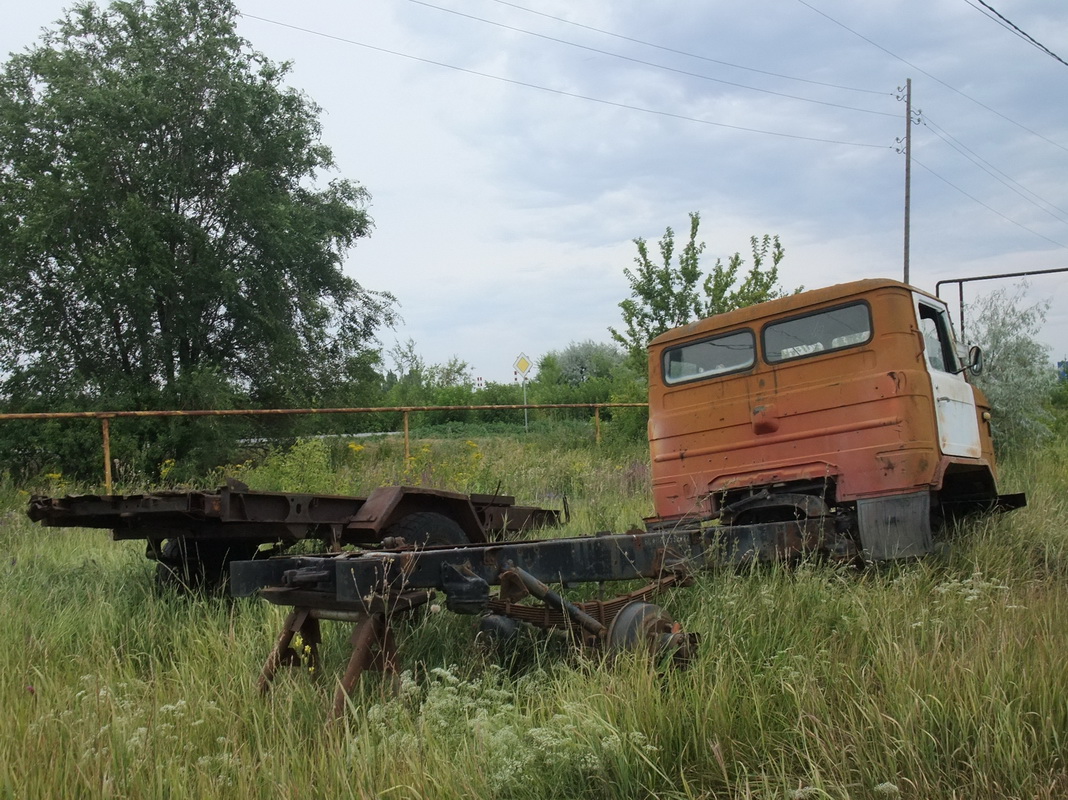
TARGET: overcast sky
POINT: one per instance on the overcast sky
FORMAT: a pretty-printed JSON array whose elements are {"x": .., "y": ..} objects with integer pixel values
[{"x": 514, "y": 150}]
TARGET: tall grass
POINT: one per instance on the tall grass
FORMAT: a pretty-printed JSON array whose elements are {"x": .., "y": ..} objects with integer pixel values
[{"x": 942, "y": 678}]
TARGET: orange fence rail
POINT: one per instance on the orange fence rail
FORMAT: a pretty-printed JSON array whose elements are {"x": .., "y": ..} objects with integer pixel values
[{"x": 105, "y": 417}]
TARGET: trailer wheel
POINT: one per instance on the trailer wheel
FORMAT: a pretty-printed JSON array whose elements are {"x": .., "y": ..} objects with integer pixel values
[{"x": 428, "y": 528}]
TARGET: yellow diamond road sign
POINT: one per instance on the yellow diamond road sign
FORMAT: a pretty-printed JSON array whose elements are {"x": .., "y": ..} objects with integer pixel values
[{"x": 522, "y": 364}]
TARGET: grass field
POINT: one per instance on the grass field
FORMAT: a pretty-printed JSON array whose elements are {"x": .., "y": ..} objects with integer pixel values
[{"x": 943, "y": 678}]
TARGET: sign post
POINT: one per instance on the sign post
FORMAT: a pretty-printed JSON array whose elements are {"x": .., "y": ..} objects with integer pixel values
[{"x": 522, "y": 366}]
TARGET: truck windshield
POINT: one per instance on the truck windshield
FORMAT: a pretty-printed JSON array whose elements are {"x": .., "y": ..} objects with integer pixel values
[
  {"x": 710, "y": 357},
  {"x": 831, "y": 329}
]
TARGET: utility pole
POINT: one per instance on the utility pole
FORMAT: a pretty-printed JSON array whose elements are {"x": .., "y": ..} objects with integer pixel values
[{"x": 908, "y": 166}]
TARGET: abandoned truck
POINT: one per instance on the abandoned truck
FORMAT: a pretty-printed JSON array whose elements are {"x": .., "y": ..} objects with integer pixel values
[
  {"x": 851, "y": 401},
  {"x": 838, "y": 422}
]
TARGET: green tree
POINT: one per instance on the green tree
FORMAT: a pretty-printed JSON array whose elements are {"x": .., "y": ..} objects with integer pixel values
[
  {"x": 580, "y": 363},
  {"x": 1018, "y": 377},
  {"x": 413, "y": 382},
  {"x": 582, "y": 372},
  {"x": 590, "y": 372},
  {"x": 162, "y": 236},
  {"x": 665, "y": 295}
]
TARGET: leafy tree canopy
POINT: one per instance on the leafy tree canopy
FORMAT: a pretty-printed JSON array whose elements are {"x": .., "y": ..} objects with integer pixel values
[
  {"x": 1018, "y": 377},
  {"x": 413, "y": 382},
  {"x": 579, "y": 363},
  {"x": 594, "y": 372},
  {"x": 665, "y": 296},
  {"x": 161, "y": 232}
]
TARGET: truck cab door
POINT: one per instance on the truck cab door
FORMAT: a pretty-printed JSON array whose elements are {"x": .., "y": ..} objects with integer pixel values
[{"x": 954, "y": 400}]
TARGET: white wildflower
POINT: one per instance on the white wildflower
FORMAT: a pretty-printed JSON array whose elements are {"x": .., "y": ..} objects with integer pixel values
[{"x": 138, "y": 738}]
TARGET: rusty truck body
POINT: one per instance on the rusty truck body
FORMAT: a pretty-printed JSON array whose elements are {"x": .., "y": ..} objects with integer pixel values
[{"x": 855, "y": 396}]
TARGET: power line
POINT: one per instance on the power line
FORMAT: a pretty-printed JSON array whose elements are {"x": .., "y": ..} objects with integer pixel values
[
  {"x": 1027, "y": 194},
  {"x": 987, "y": 207},
  {"x": 962, "y": 94},
  {"x": 685, "y": 52},
  {"x": 932, "y": 77},
  {"x": 1007, "y": 23},
  {"x": 649, "y": 63},
  {"x": 559, "y": 92},
  {"x": 993, "y": 17},
  {"x": 682, "y": 117}
]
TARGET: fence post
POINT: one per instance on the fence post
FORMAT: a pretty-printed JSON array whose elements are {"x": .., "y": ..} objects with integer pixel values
[
  {"x": 597, "y": 422},
  {"x": 105, "y": 429},
  {"x": 407, "y": 446}
]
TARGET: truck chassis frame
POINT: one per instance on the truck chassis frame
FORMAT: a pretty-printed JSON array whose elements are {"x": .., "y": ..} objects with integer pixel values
[{"x": 373, "y": 589}]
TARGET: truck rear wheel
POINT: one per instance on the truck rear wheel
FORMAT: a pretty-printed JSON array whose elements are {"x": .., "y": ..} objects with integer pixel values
[{"x": 428, "y": 528}]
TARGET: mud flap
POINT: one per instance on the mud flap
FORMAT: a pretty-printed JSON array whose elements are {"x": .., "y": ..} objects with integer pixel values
[{"x": 895, "y": 527}]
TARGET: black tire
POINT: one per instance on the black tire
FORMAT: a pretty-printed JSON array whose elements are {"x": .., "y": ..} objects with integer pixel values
[
  {"x": 172, "y": 567},
  {"x": 188, "y": 566},
  {"x": 428, "y": 528}
]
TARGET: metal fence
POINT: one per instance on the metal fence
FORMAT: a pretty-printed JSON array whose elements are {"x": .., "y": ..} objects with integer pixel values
[{"x": 105, "y": 417}]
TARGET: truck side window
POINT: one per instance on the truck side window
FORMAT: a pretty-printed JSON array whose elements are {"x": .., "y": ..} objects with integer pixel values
[
  {"x": 937, "y": 342},
  {"x": 710, "y": 357},
  {"x": 830, "y": 329}
]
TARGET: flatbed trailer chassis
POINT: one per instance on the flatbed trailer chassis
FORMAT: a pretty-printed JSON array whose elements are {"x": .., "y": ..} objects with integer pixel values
[{"x": 196, "y": 535}]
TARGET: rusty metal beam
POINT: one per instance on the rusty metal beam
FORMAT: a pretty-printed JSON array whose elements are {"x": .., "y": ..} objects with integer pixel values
[
  {"x": 999, "y": 276},
  {"x": 464, "y": 573},
  {"x": 105, "y": 432},
  {"x": 276, "y": 412}
]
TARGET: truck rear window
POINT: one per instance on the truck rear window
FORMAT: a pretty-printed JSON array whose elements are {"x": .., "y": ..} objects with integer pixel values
[
  {"x": 823, "y": 331},
  {"x": 710, "y": 357}
]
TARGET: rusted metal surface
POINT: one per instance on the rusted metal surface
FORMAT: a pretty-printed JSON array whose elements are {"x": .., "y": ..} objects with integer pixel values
[
  {"x": 279, "y": 516},
  {"x": 574, "y": 613},
  {"x": 467, "y": 572},
  {"x": 833, "y": 423},
  {"x": 390, "y": 503},
  {"x": 194, "y": 536},
  {"x": 373, "y": 648},
  {"x": 603, "y": 611},
  {"x": 289, "y": 412},
  {"x": 300, "y": 621},
  {"x": 373, "y": 644},
  {"x": 641, "y": 625},
  {"x": 200, "y": 514},
  {"x": 626, "y": 622},
  {"x": 372, "y": 588}
]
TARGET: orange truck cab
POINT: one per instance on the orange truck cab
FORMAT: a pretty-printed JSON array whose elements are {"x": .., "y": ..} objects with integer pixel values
[{"x": 851, "y": 401}]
